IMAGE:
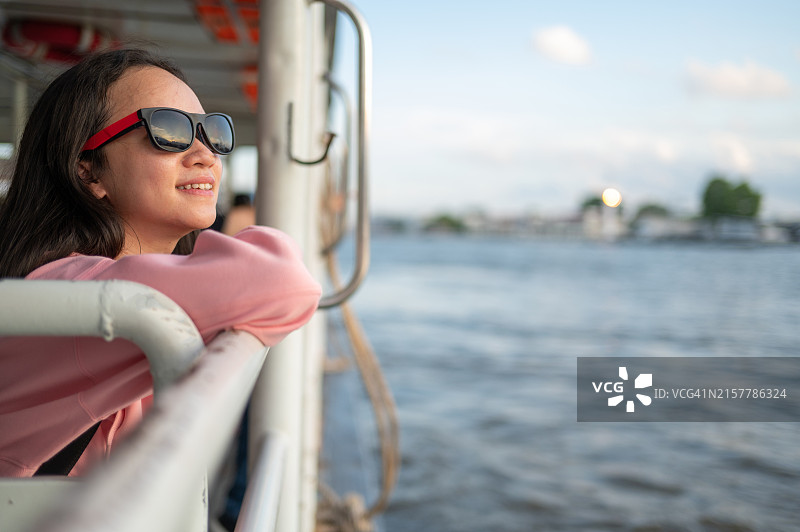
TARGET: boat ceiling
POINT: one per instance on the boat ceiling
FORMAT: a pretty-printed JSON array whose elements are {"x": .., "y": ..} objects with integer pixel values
[{"x": 173, "y": 28}]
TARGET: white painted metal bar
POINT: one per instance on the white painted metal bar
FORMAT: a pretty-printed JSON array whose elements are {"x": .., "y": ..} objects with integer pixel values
[
  {"x": 317, "y": 99},
  {"x": 109, "y": 309},
  {"x": 154, "y": 480},
  {"x": 342, "y": 179},
  {"x": 260, "y": 507},
  {"x": 282, "y": 201},
  {"x": 291, "y": 70},
  {"x": 363, "y": 129},
  {"x": 24, "y": 500}
]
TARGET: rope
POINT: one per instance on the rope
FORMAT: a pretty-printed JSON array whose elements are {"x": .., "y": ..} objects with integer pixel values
[
  {"x": 341, "y": 515},
  {"x": 349, "y": 514},
  {"x": 380, "y": 396}
]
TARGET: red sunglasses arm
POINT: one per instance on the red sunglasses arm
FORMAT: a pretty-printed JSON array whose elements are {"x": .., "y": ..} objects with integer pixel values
[{"x": 108, "y": 133}]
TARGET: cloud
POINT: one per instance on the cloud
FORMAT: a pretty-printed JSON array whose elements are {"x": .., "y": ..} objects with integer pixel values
[
  {"x": 732, "y": 153},
  {"x": 464, "y": 133},
  {"x": 665, "y": 151},
  {"x": 748, "y": 80},
  {"x": 562, "y": 44},
  {"x": 619, "y": 147}
]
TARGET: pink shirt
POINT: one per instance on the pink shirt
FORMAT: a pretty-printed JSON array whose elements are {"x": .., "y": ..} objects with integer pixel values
[{"x": 54, "y": 388}]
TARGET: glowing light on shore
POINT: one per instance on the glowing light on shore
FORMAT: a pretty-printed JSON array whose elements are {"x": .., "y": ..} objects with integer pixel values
[{"x": 612, "y": 197}]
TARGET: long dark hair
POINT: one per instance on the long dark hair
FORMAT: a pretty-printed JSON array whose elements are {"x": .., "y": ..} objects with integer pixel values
[{"x": 49, "y": 211}]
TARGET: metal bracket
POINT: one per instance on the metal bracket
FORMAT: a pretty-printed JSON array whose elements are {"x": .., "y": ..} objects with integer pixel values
[{"x": 328, "y": 140}]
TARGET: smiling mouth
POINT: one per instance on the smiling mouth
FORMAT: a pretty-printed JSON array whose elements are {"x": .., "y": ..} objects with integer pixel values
[{"x": 200, "y": 186}]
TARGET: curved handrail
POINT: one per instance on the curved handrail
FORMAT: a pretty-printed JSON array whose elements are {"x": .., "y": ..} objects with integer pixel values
[
  {"x": 108, "y": 309},
  {"x": 344, "y": 181},
  {"x": 364, "y": 112}
]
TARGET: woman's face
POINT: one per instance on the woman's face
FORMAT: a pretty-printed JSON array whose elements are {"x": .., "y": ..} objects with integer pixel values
[{"x": 142, "y": 182}]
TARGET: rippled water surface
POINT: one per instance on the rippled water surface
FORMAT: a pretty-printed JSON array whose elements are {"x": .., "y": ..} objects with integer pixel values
[{"x": 479, "y": 339}]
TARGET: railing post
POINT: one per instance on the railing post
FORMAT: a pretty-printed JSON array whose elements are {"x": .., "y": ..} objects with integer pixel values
[
  {"x": 283, "y": 201},
  {"x": 260, "y": 506}
]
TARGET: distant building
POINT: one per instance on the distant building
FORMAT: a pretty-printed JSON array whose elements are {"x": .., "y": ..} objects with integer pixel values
[
  {"x": 601, "y": 222},
  {"x": 731, "y": 228},
  {"x": 773, "y": 233},
  {"x": 655, "y": 227}
]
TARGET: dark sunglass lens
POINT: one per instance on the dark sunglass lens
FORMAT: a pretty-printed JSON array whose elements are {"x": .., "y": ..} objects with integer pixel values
[
  {"x": 219, "y": 132},
  {"x": 171, "y": 130}
]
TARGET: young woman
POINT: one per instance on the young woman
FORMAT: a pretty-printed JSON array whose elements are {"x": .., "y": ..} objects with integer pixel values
[{"x": 117, "y": 170}]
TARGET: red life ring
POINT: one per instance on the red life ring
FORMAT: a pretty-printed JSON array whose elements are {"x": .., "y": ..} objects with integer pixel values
[{"x": 43, "y": 41}]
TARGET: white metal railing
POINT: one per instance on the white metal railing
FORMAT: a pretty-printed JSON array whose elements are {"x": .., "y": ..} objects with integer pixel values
[
  {"x": 363, "y": 124},
  {"x": 156, "y": 480},
  {"x": 260, "y": 507},
  {"x": 108, "y": 309}
]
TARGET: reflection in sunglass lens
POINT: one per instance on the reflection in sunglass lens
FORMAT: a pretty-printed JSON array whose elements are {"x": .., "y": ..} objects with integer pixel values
[
  {"x": 171, "y": 130},
  {"x": 219, "y": 133}
]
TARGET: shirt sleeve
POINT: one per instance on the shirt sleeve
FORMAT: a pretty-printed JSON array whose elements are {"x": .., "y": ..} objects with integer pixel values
[{"x": 255, "y": 281}]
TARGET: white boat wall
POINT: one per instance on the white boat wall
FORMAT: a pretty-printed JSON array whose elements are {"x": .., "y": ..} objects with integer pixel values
[{"x": 267, "y": 64}]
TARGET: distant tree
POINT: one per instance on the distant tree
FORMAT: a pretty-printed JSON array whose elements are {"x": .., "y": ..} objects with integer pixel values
[
  {"x": 716, "y": 198},
  {"x": 652, "y": 209},
  {"x": 446, "y": 223},
  {"x": 721, "y": 198},
  {"x": 592, "y": 201},
  {"x": 745, "y": 201},
  {"x": 389, "y": 224}
]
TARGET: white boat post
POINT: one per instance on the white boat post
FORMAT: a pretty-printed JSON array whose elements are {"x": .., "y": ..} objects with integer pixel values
[
  {"x": 292, "y": 114},
  {"x": 286, "y": 399}
]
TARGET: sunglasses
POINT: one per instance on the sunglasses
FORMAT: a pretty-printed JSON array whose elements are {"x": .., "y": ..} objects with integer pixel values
[{"x": 171, "y": 130}]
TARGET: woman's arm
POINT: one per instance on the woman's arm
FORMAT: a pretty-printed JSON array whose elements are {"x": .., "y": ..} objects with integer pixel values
[{"x": 255, "y": 281}]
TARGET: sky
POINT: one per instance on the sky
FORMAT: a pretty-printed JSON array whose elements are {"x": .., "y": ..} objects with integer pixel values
[{"x": 519, "y": 107}]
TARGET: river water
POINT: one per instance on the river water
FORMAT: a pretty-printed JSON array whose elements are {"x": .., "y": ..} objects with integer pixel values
[{"x": 479, "y": 337}]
